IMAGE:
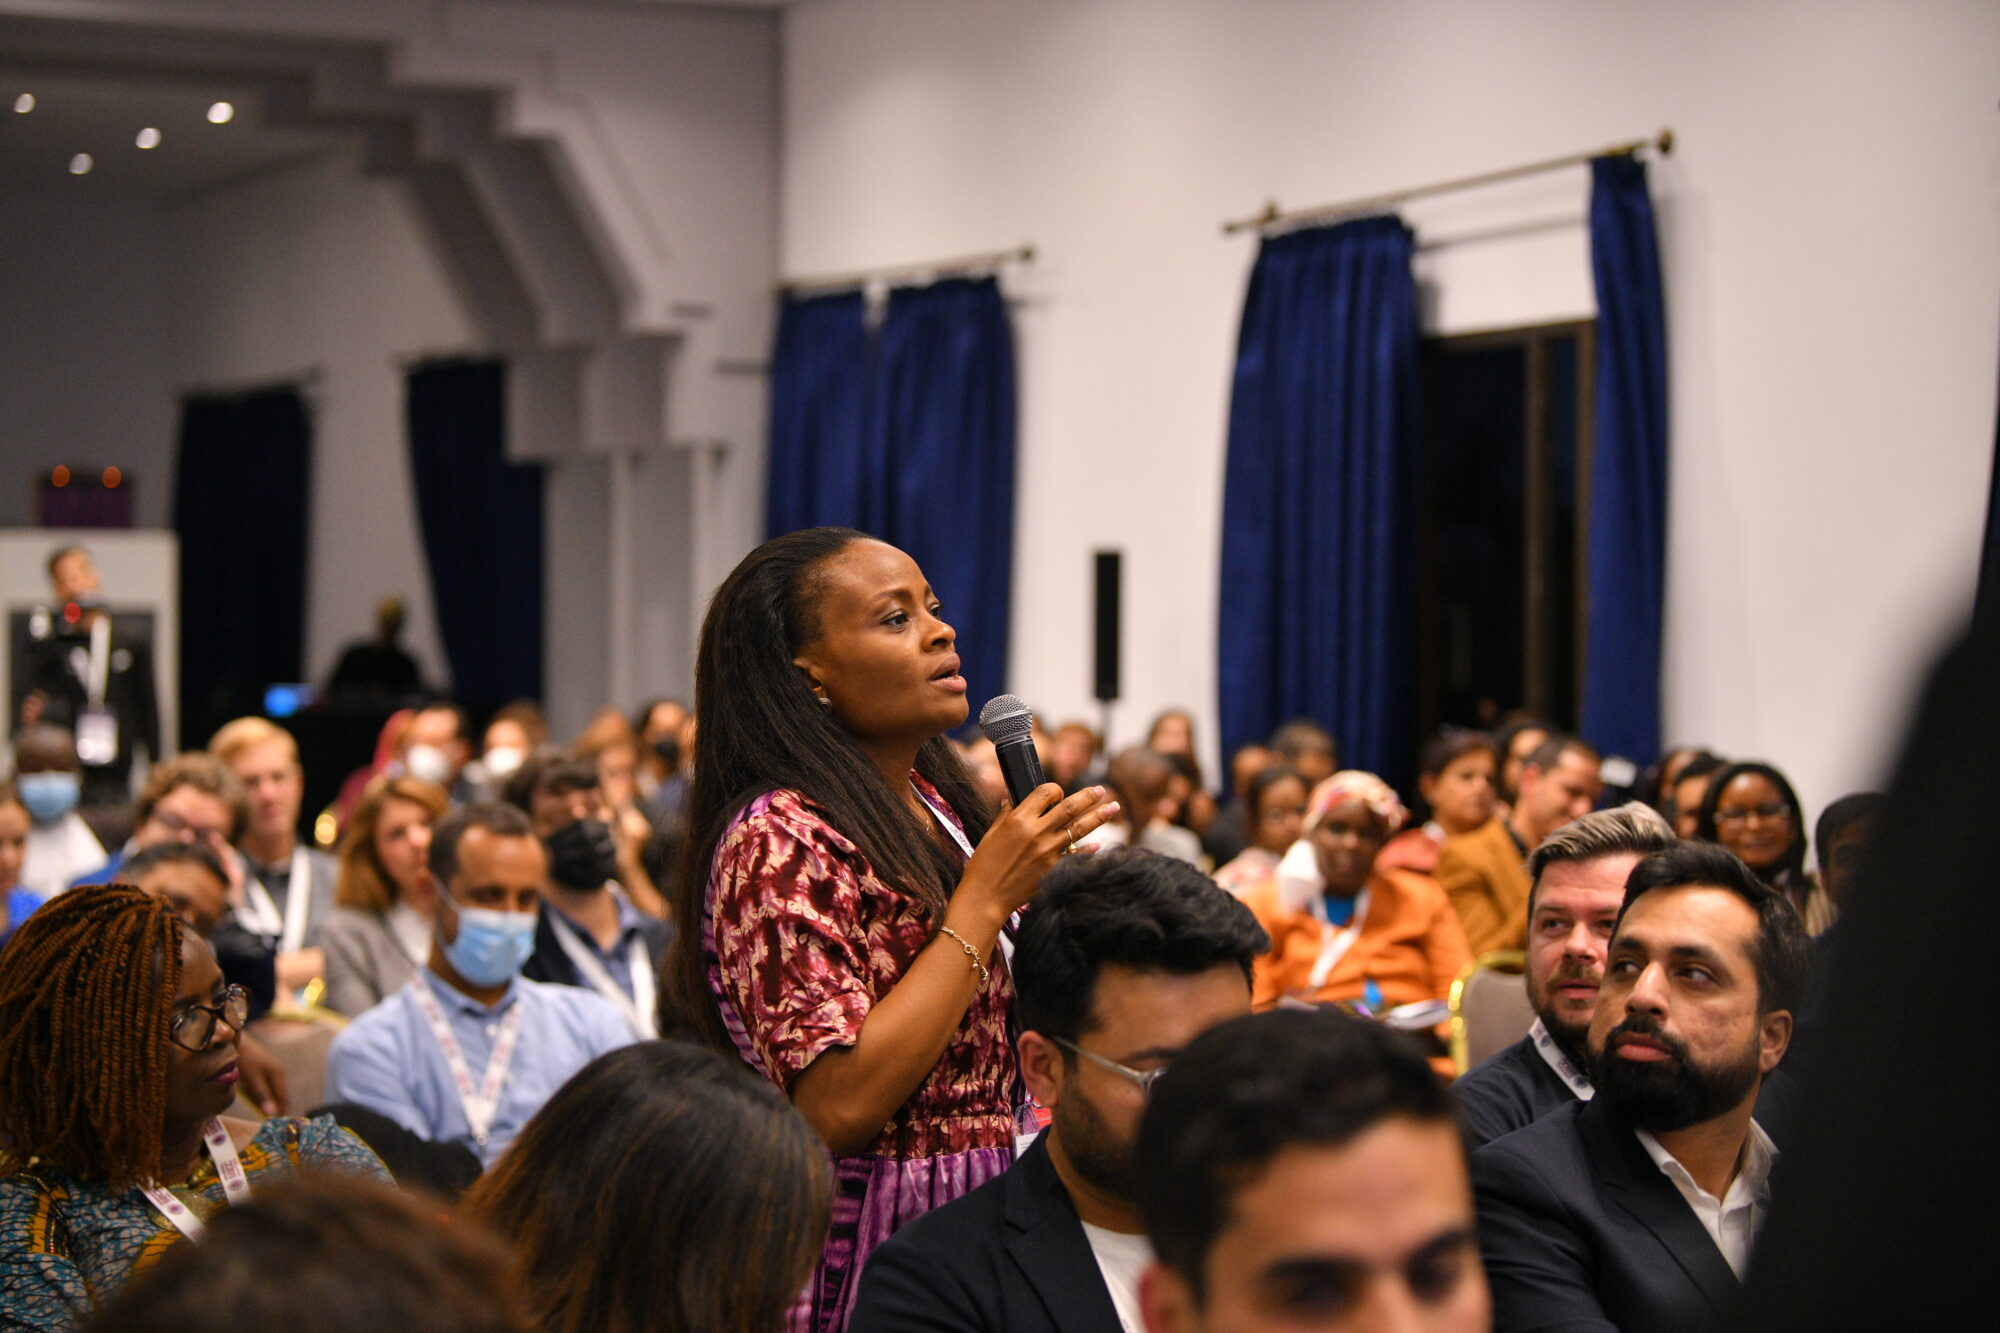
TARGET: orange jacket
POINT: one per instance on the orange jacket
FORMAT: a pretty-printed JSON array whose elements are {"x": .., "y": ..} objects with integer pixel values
[
  {"x": 1410, "y": 945},
  {"x": 1486, "y": 878}
]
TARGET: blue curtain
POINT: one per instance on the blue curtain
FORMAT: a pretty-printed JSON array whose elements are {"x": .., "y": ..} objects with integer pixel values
[
  {"x": 1627, "y": 546},
  {"x": 819, "y": 420},
  {"x": 242, "y": 504},
  {"x": 481, "y": 519},
  {"x": 1318, "y": 503},
  {"x": 943, "y": 407}
]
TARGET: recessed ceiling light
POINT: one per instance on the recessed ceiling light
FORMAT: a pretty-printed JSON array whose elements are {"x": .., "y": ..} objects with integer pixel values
[
  {"x": 24, "y": 103},
  {"x": 149, "y": 138},
  {"x": 221, "y": 113},
  {"x": 80, "y": 165}
]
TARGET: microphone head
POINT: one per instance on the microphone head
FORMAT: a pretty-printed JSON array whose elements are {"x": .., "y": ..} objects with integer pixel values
[{"x": 1005, "y": 718}]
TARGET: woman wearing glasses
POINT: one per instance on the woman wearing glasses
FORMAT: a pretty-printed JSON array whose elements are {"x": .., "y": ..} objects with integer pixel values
[
  {"x": 1752, "y": 810},
  {"x": 118, "y": 1059}
]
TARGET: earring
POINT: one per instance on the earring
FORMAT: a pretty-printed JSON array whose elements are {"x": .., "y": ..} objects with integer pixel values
[{"x": 825, "y": 702}]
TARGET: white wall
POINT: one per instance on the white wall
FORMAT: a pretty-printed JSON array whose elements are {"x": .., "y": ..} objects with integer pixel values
[
  {"x": 319, "y": 268},
  {"x": 1831, "y": 248},
  {"x": 82, "y": 320}
]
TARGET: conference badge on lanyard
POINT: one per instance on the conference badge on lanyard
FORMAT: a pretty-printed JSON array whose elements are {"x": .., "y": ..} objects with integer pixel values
[{"x": 228, "y": 1169}]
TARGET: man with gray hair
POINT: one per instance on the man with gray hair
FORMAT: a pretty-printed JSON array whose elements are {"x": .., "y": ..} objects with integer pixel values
[{"x": 1577, "y": 884}]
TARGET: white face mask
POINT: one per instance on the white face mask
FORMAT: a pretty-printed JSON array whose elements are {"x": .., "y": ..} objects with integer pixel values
[
  {"x": 429, "y": 763},
  {"x": 1299, "y": 880},
  {"x": 504, "y": 760}
]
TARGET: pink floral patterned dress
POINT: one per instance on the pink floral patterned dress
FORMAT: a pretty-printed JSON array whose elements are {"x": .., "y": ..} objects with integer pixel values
[{"x": 800, "y": 939}]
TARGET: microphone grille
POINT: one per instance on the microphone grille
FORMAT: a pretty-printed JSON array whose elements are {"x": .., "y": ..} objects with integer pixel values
[{"x": 1005, "y": 718}]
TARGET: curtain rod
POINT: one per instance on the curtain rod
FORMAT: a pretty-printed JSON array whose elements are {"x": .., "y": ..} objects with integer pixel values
[
  {"x": 1271, "y": 218},
  {"x": 832, "y": 282}
]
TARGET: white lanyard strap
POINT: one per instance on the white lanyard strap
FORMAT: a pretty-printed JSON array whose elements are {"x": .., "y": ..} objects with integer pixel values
[
  {"x": 1573, "y": 1078},
  {"x": 637, "y": 1007},
  {"x": 228, "y": 1169},
  {"x": 950, "y": 825},
  {"x": 1334, "y": 944},
  {"x": 479, "y": 1101},
  {"x": 261, "y": 915}
]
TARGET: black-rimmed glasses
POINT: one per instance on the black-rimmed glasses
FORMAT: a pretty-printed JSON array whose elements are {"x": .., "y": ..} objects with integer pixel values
[
  {"x": 193, "y": 1028},
  {"x": 1143, "y": 1079}
]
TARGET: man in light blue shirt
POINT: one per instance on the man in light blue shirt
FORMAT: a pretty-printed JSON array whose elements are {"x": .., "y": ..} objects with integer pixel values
[{"x": 469, "y": 1050}]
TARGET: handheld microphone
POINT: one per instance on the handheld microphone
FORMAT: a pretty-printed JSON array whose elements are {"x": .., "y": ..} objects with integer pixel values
[{"x": 1007, "y": 723}]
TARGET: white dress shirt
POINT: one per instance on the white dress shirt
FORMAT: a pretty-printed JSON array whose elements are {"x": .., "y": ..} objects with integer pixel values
[{"x": 1732, "y": 1220}]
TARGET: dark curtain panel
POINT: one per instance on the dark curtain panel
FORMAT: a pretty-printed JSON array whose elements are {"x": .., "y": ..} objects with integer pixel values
[
  {"x": 242, "y": 509},
  {"x": 943, "y": 409},
  {"x": 1318, "y": 494},
  {"x": 481, "y": 518},
  {"x": 1627, "y": 549},
  {"x": 819, "y": 421}
]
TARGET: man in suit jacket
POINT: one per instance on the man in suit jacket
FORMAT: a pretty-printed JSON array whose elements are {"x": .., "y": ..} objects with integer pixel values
[
  {"x": 1126, "y": 957},
  {"x": 1636, "y": 1211},
  {"x": 1485, "y": 873},
  {"x": 1577, "y": 884}
]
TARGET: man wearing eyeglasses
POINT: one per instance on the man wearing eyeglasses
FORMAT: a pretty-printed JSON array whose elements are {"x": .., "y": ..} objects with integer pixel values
[{"x": 1125, "y": 958}]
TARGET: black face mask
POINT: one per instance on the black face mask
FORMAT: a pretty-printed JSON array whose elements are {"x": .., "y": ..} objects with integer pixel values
[
  {"x": 582, "y": 855},
  {"x": 669, "y": 750}
]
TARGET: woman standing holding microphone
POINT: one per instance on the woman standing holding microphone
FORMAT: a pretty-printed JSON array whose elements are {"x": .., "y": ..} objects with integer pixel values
[{"x": 840, "y": 930}]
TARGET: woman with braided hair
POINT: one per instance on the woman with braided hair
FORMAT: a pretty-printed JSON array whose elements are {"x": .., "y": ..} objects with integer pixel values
[{"x": 118, "y": 1057}]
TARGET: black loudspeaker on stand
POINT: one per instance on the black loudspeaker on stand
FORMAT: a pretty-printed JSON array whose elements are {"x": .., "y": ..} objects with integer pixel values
[{"x": 1104, "y": 655}]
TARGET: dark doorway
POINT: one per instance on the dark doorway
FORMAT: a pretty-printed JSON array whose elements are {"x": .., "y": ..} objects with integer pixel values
[{"x": 1506, "y": 451}]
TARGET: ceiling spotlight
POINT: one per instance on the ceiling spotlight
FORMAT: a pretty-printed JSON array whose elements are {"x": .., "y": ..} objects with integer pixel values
[
  {"x": 80, "y": 165},
  {"x": 149, "y": 138},
  {"x": 24, "y": 103},
  {"x": 221, "y": 113}
]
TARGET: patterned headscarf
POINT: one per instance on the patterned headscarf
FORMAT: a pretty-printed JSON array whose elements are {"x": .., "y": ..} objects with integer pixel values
[{"x": 1354, "y": 785}]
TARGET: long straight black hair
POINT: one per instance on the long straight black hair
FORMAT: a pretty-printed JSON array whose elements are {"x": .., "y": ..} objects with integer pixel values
[{"x": 761, "y": 729}]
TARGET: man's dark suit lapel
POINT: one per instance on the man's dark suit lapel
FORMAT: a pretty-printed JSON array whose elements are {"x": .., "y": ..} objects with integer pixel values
[
  {"x": 1638, "y": 1186},
  {"x": 1046, "y": 1240}
]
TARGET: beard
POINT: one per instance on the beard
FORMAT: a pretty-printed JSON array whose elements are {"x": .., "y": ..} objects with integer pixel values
[
  {"x": 1572, "y": 1038},
  {"x": 1094, "y": 1150},
  {"x": 1661, "y": 1096}
]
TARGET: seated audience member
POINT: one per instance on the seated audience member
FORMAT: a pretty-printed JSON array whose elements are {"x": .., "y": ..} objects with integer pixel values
[
  {"x": 982, "y": 765},
  {"x": 468, "y": 1020},
  {"x": 1172, "y": 734},
  {"x": 1124, "y": 959},
  {"x": 444, "y": 1169},
  {"x": 662, "y": 726},
  {"x": 1072, "y": 757},
  {"x": 1690, "y": 789},
  {"x": 589, "y": 934},
  {"x": 1230, "y": 831},
  {"x": 1344, "y": 930},
  {"x": 436, "y": 745},
  {"x": 327, "y": 1255},
  {"x": 1302, "y": 1170},
  {"x": 118, "y": 1060},
  {"x": 190, "y": 798},
  {"x": 609, "y": 743},
  {"x": 1307, "y": 748},
  {"x": 192, "y": 880},
  {"x": 1637, "y": 1210},
  {"x": 663, "y": 1189},
  {"x": 1578, "y": 885},
  {"x": 512, "y": 734},
  {"x": 1455, "y": 776},
  {"x": 1276, "y": 800},
  {"x": 1143, "y": 781},
  {"x": 48, "y": 779},
  {"x": 1194, "y": 806},
  {"x": 1485, "y": 872},
  {"x": 1752, "y": 810},
  {"x": 287, "y": 886},
  {"x": 1515, "y": 740},
  {"x": 15, "y": 824},
  {"x": 380, "y": 930},
  {"x": 1656, "y": 786},
  {"x": 1841, "y": 842}
]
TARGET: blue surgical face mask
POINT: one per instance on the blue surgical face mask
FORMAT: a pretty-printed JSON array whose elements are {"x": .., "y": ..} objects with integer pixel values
[
  {"x": 48, "y": 796},
  {"x": 491, "y": 946}
]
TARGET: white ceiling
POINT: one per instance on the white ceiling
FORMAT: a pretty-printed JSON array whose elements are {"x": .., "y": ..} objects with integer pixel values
[{"x": 103, "y": 116}]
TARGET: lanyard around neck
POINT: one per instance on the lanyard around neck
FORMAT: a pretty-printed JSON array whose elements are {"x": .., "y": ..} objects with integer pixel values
[
  {"x": 1334, "y": 944},
  {"x": 637, "y": 1008},
  {"x": 950, "y": 825},
  {"x": 481, "y": 1100},
  {"x": 228, "y": 1169}
]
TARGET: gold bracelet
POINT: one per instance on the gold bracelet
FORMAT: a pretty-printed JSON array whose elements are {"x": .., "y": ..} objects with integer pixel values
[{"x": 970, "y": 952}]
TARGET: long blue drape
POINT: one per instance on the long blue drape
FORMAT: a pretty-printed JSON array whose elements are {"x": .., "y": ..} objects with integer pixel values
[
  {"x": 908, "y": 436},
  {"x": 481, "y": 519},
  {"x": 1315, "y": 614},
  {"x": 819, "y": 416},
  {"x": 1627, "y": 545},
  {"x": 944, "y": 416}
]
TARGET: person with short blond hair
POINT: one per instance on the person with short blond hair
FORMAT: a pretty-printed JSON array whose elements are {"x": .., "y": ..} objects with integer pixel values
[{"x": 286, "y": 887}]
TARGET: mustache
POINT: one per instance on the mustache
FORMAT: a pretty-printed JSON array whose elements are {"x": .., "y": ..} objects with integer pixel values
[
  {"x": 1589, "y": 976},
  {"x": 1645, "y": 1025}
]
